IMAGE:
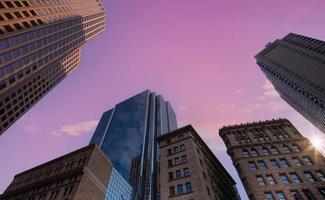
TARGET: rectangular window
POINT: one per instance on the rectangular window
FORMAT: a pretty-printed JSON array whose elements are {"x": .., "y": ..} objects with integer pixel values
[
  {"x": 260, "y": 181},
  {"x": 280, "y": 195},
  {"x": 284, "y": 163},
  {"x": 295, "y": 178},
  {"x": 172, "y": 191},
  {"x": 252, "y": 166},
  {"x": 188, "y": 187},
  {"x": 184, "y": 159},
  {"x": 182, "y": 147},
  {"x": 309, "y": 177},
  {"x": 297, "y": 161},
  {"x": 308, "y": 161},
  {"x": 261, "y": 165},
  {"x": 274, "y": 164},
  {"x": 171, "y": 175},
  {"x": 309, "y": 194},
  {"x": 271, "y": 179},
  {"x": 284, "y": 179},
  {"x": 178, "y": 174},
  {"x": 180, "y": 189},
  {"x": 295, "y": 195},
  {"x": 186, "y": 172},
  {"x": 268, "y": 196},
  {"x": 169, "y": 151},
  {"x": 177, "y": 161},
  {"x": 320, "y": 175}
]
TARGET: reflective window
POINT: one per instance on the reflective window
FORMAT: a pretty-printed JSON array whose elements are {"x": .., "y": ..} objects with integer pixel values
[
  {"x": 295, "y": 178},
  {"x": 284, "y": 179},
  {"x": 280, "y": 195},
  {"x": 188, "y": 187},
  {"x": 297, "y": 161}
]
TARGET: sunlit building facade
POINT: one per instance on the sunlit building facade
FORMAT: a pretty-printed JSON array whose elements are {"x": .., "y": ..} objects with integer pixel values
[
  {"x": 40, "y": 43},
  {"x": 274, "y": 161},
  {"x": 295, "y": 65},
  {"x": 127, "y": 134}
]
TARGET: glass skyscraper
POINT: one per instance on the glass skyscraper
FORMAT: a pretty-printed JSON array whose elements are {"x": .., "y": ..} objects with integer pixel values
[
  {"x": 40, "y": 44},
  {"x": 127, "y": 134}
]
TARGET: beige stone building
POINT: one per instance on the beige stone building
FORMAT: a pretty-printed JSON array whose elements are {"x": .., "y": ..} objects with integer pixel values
[
  {"x": 190, "y": 171},
  {"x": 274, "y": 161},
  {"x": 40, "y": 43}
]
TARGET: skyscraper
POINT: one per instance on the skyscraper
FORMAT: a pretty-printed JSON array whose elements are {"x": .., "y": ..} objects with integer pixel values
[
  {"x": 40, "y": 43},
  {"x": 190, "y": 170},
  {"x": 295, "y": 65},
  {"x": 274, "y": 161},
  {"x": 127, "y": 135}
]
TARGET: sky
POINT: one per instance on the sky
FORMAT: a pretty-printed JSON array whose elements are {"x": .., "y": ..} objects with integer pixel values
[{"x": 199, "y": 54}]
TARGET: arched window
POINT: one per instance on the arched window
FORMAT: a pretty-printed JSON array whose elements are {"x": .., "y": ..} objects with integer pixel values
[
  {"x": 274, "y": 150},
  {"x": 295, "y": 148},
  {"x": 266, "y": 151},
  {"x": 254, "y": 152},
  {"x": 245, "y": 153},
  {"x": 286, "y": 149}
]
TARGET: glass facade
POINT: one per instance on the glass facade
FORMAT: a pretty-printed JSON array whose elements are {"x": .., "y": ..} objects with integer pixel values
[
  {"x": 118, "y": 188},
  {"x": 127, "y": 134}
]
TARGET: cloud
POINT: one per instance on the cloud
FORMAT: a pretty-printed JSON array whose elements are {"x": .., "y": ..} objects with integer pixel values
[
  {"x": 76, "y": 129},
  {"x": 237, "y": 91},
  {"x": 268, "y": 91},
  {"x": 276, "y": 106}
]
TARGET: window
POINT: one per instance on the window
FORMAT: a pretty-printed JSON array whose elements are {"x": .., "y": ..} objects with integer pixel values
[
  {"x": 308, "y": 161},
  {"x": 284, "y": 179},
  {"x": 245, "y": 153},
  {"x": 284, "y": 163},
  {"x": 268, "y": 196},
  {"x": 177, "y": 161},
  {"x": 286, "y": 149},
  {"x": 186, "y": 172},
  {"x": 182, "y": 147},
  {"x": 204, "y": 176},
  {"x": 295, "y": 178},
  {"x": 208, "y": 190},
  {"x": 261, "y": 165},
  {"x": 171, "y": 175},
  {"x": 260, "y": 181},
  {"x": 188, "y": 187},
  {"x": 172, "y": 191},
  {"x": 252, "y": 166},
  {"x": 184, "y": 158},
  {"x": 320, "y": 175},
  {"x": 180, "y": 189},
  {"x": 308, "y": 194},
  {"x": 271, "y": 179},
  {"x": 274, "y": 164},
  {"x": 169, "y": 151},
  {"x": 4, "y": 44},
  {"x": 254, "y": 152},
  {"x": 297, "y": 161},
  {"x": 175, "y": 149},
  {"x": 295, "y": 148},
  {"x": 178, "y": 174},
  {"x": 309, "y": 177},
  {"x": 295, "y": 195},
  {"x": 170, "y": 163},
  {"x": 274, "y": 150},
  {"x": 266, "y": 151},
  {"x": 280, "y": 195}
]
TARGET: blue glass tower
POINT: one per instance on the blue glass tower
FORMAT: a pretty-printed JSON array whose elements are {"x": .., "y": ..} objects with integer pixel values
[{"x": 127, "y": 134}]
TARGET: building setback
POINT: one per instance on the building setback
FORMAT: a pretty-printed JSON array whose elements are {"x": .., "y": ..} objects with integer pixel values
[
  {"x": 295, "y": 65},
  {"x": 85, "y": 174},
  {"x": 274, "y": 161},
  {"x": 127, "y": 135},
  {"x": 189, "y": 169},
  {"x": 40, "y": 43}
]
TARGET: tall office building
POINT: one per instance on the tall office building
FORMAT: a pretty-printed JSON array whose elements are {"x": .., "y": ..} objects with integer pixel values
[
  {"x": 274, "y": 161},
  {"x": 189, "y": 169},
  {"x": 295, "y": 65},
  {"x": 40, "y": 43},
  {"x": 85, "y": 174},
  {"x": 127, "y": 134}
]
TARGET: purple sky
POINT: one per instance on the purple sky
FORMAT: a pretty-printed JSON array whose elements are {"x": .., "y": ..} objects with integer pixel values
[{"x": 199, "y": 54}]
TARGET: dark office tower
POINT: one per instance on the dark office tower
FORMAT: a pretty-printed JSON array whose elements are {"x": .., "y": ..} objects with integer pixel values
[
  {"x": 40, "y": 43},
  {"x": 295, "y": 65},
  {"x": 85, "y": 174},
  {"x": 274, "y": 161},
  {"x": 189, "y": 169},
  {"x": 127, "y": 134}
]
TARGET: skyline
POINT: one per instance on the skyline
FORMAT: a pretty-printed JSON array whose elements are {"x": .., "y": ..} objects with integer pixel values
[{"x": 146, "y": 42}]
